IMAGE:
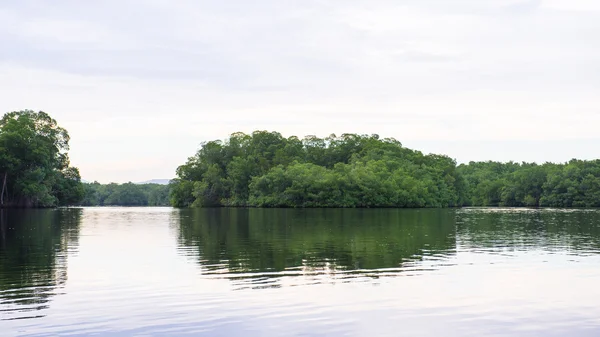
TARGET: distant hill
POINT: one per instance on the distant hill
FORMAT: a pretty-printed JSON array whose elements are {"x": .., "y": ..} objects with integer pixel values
[
  {"x": 152, "y": 181},
  {"x": 156, "y": 181}
]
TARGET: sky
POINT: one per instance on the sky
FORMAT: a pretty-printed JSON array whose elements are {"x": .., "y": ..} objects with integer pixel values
[{"x": 140, "y": 84}]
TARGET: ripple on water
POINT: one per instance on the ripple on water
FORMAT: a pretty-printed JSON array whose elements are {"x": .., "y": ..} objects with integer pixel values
[{"x": 225, "y": 272}]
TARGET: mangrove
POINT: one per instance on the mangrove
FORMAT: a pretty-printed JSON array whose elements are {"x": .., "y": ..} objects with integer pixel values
[{"x": 265, "y": 169}]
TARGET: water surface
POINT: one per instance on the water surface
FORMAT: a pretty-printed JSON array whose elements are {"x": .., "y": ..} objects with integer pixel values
[{"x": 320, "y": 272}]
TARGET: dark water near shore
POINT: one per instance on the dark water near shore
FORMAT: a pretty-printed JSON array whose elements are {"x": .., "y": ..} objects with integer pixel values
[{"x": 320, "y": 272}]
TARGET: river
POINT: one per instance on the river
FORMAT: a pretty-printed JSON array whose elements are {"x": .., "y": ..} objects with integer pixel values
[{"x": 299, "y": 272}]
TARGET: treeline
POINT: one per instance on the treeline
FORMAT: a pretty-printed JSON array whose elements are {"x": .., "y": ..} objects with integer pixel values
[
  {"x": 573, "y": 184},
  {"x": 265, "y": 169},
  {"x": 34, "y": 164},
  {"x": 128, "y": 194}
]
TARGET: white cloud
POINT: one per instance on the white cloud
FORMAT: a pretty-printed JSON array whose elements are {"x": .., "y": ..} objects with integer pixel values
[
  {"x": 573, "y": 5},
  {"x": 136, "y": 81}
]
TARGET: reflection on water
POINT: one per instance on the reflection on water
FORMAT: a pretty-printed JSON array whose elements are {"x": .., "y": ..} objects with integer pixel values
[
  {"x": 550, "y": 230},
  {"x": 260, "y": 248},
  {"x": 292, "y": 272},
  {"x": 271, "y": 247},
  {"x": 34, "y": 246}
]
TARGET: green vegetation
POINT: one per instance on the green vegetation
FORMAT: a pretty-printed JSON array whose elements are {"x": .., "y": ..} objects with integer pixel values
[
  {"x": 128, "y": 194},
  {"x": 574, "y": 184},
  {"x": 265, "y": 169},
  {"x": 35, "y": 171},
  {"x": 34, "y": 165}
]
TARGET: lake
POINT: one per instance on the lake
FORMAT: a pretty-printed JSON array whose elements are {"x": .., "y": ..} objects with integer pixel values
[{"x": 294, "y": 272}]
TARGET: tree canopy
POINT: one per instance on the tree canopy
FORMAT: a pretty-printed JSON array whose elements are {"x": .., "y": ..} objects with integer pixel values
[
  {"x": 573, "y": 184},
  {"x": 34, "y": 164},
  {"x": 265, "y": 169}
]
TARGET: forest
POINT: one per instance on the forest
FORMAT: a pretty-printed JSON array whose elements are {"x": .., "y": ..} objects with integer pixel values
[
  {"x": 128, "y": 194},
  {"x": 35, "y": 169},
  {"x": 265, "y": 169}
]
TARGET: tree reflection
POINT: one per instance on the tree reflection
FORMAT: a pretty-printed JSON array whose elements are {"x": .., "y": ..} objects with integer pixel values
[
  {"x": 33, "y": 258},
  {"x": 263, "y": 245},
  {"x": 521, "y": 229}
]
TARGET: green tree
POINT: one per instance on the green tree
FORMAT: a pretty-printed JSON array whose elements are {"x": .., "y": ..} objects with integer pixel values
[
  {"x": 264, "y": 169},
  {"x": 267, "y": 170},
  {"x": 34, "y": 164}
]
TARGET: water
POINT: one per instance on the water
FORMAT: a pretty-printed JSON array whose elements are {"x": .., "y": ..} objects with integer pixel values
[{"x": 269, "y": 272}]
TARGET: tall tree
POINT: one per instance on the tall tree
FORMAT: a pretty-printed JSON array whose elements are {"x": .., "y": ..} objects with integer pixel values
[{"x": 34, "y": 163}]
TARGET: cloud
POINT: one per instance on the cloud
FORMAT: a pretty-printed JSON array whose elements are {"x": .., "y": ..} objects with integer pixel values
[
  {"x": 573, "y": 5},
  {"x": 137, "y": 80}
]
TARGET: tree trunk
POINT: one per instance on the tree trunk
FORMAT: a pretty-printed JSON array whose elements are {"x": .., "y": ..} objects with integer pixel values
[
  {"x": 3, "y": 227},
  {"x": 3, "y": 189}
]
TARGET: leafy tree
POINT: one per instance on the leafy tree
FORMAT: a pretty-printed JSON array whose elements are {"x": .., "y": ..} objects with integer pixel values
[
  {"x": 267, "y": 170},
  {"x": 34, "y": 164},
  {"x": 264, "y": 169}
]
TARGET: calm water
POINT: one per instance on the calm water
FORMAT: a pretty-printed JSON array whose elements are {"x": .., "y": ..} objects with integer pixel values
[{"x": 239, "y": 272}]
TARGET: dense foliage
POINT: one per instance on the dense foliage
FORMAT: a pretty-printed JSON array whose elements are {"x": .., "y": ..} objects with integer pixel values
[
  {"x": 34, "y": 165},
  {"x": 128, "y": 194},
  {"x": 265, "y": 169},
  {"x": 574, "y": 184}
]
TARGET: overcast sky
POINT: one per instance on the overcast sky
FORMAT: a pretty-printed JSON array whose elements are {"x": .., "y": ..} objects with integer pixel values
[{"x": 139, "y": 84}]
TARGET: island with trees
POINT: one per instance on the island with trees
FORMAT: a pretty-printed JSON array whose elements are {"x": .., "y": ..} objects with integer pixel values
[{"x": 265, "y": 169}]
